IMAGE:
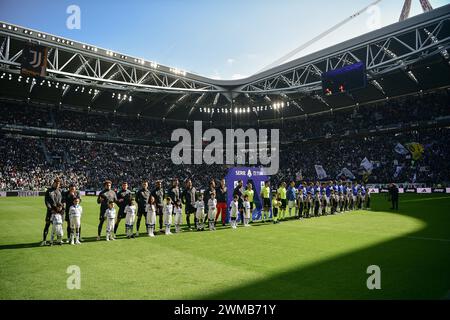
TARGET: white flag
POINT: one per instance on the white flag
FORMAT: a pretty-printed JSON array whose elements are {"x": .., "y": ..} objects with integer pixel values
[
  {"x": 367, "y": 165},
  {"x": 400, "y": 149},
  {"x": 321, "y": 174},
  {"x": 347, "y": 173}
]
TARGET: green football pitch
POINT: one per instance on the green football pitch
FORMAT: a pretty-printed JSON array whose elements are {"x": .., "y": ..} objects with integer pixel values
[{"x": 318, "y": 258}]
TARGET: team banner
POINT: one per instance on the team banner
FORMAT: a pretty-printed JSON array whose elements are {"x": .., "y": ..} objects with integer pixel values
[
  {"x": 400, "y": 149},
  {"x": 416, "y": 150},
  {"x": 34, "y": 61},
  {"x": 321, "y": 173},
  {"x": 256, "y": 177}
]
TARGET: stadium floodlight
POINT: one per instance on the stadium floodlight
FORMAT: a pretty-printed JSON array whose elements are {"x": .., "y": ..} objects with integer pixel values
[{"x": 236, "y": 111}]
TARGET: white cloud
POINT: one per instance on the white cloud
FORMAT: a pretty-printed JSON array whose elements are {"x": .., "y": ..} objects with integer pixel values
[
  {"x": 230, "y": 61},
  {"x": 238, "y": 76}
]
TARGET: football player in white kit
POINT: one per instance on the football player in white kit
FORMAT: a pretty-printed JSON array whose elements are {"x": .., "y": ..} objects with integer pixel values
[
  {"x": 167, "y": 214},
  {"x": 200, "y": 213},
  {"x": 75, "y": 212},
  {"x": 212, "y": 209},
  {"x": 150, "y": 209},
  {"x": 57, "y": 226},
  {"x": 110, "y": 215},
  {"x": 178, "y": 210},
  {"x": 130, "y": 211},
  {"x": 234, "y": 210}
]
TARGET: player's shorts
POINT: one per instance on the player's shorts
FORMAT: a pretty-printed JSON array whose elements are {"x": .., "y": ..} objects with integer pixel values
[
  {"x": 168, "y": 219},
  {"x": 66, "y": 217},
  {"x": 151, "y": 218},
  {"x": 159, "y": 210},
  {"x": 75, "y": 222},
  {"x": 178, "y": 218},
  {"x": 129, "y": 219},
  {"x": 291, "y": 204},
  {"x": 283, "y": 203},
  {"x": 212, "y": 214},
  {"x": 58, "y": 230},
  {"x": 200, "y": 215},
  {"x": 266, "y": 202},
  {"x": 110, "y": 225}
]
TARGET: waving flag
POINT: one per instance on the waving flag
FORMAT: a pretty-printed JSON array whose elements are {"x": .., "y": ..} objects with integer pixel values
[
  {"x": 321, "y": 174},
  {"x": 398, "y": 170},
  {"x": 416, "y": 150},
  {"x": 400, "y": 149},
  {"x": 346, "y": 173},
  {"x": 367, "y": 165}
]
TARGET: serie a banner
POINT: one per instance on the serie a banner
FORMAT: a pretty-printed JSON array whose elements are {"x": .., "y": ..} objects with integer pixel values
[{"x": 256, "y": 177}]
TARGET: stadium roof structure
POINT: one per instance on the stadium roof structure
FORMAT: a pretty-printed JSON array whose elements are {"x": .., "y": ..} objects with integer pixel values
[{"x": 402, "y": 58}]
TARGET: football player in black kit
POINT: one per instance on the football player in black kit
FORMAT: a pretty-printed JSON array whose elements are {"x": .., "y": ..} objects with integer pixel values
[
  {"x": 105, "y": 196},
  {"x": 142, "y": 197},
  {"x": 53, "y": 203},
  {"x": 123, "y": 199}
]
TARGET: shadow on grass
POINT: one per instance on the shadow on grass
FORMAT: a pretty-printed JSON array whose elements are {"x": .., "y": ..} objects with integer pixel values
[
  {"x": 413, "y": 266},
  {"x": 121, "y": 236}
]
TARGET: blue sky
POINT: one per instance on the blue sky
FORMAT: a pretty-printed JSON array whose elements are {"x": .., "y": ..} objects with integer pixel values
[{"x": 217, "y": 38}]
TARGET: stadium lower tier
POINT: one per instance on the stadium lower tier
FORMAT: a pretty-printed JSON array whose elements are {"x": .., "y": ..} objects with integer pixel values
[{"x": 31, "y": 163}]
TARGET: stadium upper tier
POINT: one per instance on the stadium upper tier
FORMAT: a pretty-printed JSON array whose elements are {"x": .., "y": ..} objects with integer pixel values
[{"x": 402, "y": 58}]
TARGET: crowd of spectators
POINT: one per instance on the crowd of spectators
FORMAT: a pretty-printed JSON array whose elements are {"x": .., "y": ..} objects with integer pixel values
[{"x": 30, "y": 163}]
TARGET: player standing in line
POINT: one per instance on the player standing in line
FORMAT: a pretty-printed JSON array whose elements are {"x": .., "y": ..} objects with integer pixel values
[
  {"x": 250, "y": 193},
  {"x": 234, "y": 209},
  {"x": 365, "y": 192},
  {"x": 178, "y": 210},
  {"x": 301, "y": 198},
  {"x": 110, "y": 216},
  {"x": 167, "y": 212},
  {"x": 316, "y": 201},
  {"x": 188, "y": 198},
  {"x": 53, "y": 199},
  {"x": 323, "y": 199},
  {"x": 104, "y": 198},
  {"x": 141, "y": 199},
  {"x": 158, "y": 194},
  {"x": 239, "y": 192},
  {"x": 130, "y": 212},
  {"x": 276, "y": 207},
  {"x": 341, "y": 197},
  {"x": 265, "y": 196},
  {"x": 291, "y": 195},
  {"x": 221, "y": 195},
  {"x": 150, "y": 209},
  {"x": 123, "y": 199},
  {"x": 200, "y": 213},
  {"x": 247, "y": 211},
  {"x": 75, "y": 212},
  {"x": 174, "y": 194},
  {"x": 212, "y": 208},
  {"x": 282, "y": 194},
  {"x": 328, "y": 189},
  {"x": 57, "y": 225}
]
